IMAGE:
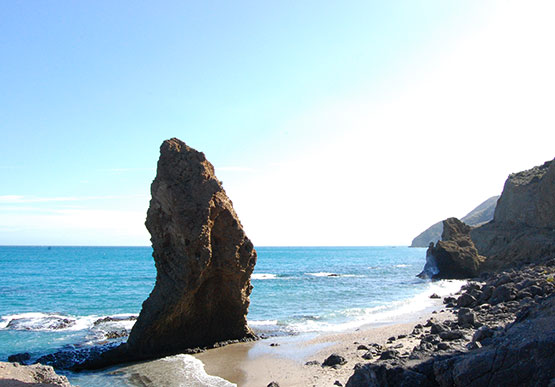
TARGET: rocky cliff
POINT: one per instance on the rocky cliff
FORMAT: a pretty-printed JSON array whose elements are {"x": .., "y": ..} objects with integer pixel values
[
  {"x": 478, "y": 216},
  {"x": 203, "y": 260},
  {"x": 455, "y": 256},
  {"x": 523, "y": 227}
]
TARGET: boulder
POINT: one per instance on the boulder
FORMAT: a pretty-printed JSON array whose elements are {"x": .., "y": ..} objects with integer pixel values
[
  {"x": 466, "y": 317},
  {"x": 13, "y": 374},
  {"x": 21, "y": 358},
  {"x": 455, "y": 255},
  {"x": 334, "y": 360}
]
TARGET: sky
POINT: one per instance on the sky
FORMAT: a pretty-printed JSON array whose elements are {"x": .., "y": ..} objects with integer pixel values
[{"x": 329, "y": 123}]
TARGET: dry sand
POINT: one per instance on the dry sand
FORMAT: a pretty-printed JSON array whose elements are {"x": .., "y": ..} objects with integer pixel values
[{"x": 259, "y": 363}]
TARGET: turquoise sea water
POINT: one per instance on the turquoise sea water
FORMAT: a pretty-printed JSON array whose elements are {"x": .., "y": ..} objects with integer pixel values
[{"x": 51, "y": 297}]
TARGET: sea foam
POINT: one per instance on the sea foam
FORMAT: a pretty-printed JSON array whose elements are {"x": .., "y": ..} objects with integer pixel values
[
  {"x": 263, "y": 276},
  {"x": 395, "y": 311},
  {"x": 39, "y": 321},
  {"x": 174, "y": 371}
]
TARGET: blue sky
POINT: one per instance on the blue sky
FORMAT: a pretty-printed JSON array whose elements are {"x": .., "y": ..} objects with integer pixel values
[{"x": 330, "y": 123}]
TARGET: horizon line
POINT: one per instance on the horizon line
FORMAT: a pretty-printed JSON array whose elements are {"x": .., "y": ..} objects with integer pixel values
[{"x": 403, "y": 245}]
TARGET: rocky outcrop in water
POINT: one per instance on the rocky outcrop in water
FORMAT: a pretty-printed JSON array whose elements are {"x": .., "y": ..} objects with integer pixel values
[
  {"x": 455, "y": 255},
  {"x": 16, "y": 375},
  {"x": 203, "y": 259},
  {"x": 478, "y": 216},
  {"x": 203, "y": 262},
  {"x": 523, "y": 227}
]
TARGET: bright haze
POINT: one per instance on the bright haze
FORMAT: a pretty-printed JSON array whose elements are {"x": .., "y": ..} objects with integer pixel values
[{"x": 329, "y": 123}]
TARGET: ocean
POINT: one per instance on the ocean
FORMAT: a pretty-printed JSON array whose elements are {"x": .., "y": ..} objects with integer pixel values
[{"x": 54, "y": 298}]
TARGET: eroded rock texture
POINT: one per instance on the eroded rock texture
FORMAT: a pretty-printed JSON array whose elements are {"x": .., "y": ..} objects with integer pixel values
[
  {"x": 203, "y": 260},
  {"x": 455, "y": 256},
  {"x": 15, "y": 375},
  {"x": 523, "y": 227}
]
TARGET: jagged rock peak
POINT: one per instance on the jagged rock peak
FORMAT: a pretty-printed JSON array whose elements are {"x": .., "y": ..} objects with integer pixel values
[{"x": 203, "y": 259}]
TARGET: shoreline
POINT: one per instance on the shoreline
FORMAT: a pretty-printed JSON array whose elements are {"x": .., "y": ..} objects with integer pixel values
[
  {"x": 296, "y": 360},
  {"x": 501, "y": 325}
]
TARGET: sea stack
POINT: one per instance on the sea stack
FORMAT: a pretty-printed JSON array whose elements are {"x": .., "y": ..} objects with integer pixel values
[
  {"x": 203, "y": 260},
  {"x": 455, "y": 255}
]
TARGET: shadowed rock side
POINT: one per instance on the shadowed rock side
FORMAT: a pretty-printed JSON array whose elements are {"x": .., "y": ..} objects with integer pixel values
[
  {"x": 203, "y": 260},
  {"x": 523, "y": 227},
  {"x": 478, "y": 216},
  {"x": 455, "y": 256}
]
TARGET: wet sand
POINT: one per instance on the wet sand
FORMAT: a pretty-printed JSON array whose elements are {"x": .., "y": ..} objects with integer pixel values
[{"x": 283, "y": 359}]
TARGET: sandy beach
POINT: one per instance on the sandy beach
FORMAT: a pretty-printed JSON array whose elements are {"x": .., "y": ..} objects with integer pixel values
[{"x": 297, "y": 360}]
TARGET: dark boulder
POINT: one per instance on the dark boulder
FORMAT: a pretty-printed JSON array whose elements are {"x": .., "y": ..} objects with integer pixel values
[
  {"x": 466, "y": 317},
  {"x": 455, "y": 255},
  {"x": 21, "y": 358},
  {"x": 334, "y": 360}
]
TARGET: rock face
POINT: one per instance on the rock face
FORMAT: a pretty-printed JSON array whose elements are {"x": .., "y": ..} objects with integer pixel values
[
  {"x": 203, "y": 260},
  {"x": 478, "y": 216},
  {"x": 455, "y": 256},
  {"x": 13, "y": 374},
  {"x": 523, "y": 227}
]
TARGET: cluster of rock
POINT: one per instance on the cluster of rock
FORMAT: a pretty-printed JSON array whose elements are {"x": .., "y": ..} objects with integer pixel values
[
  {"x": 503, "y": 334},
  {"x": 15, "y": 375}
]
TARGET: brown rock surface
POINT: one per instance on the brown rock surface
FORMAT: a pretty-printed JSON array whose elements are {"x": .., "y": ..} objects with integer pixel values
[
  {"x": 455, "y": 256},
  {"x": 203, "y": 260},
  {"x": 15, "y": 375},
  {"x": 523, "y": 227}
]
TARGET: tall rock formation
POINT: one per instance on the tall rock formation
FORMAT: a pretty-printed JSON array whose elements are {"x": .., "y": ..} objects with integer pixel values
[
  {"x": 455, "y": 256},
  {"x": 523, "y": 226},
  {"x": 203, "y": 260},
  {"x": 478, "y": 216}
]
